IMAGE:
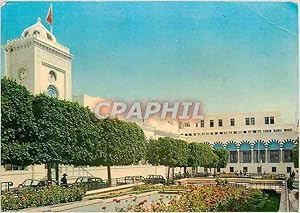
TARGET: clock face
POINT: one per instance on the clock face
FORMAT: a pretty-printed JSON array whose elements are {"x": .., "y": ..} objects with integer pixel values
[
  {"x": 22, "y": 73},
  {"x": 52, "y": 92},
  {"x": 52, "y": 76}
]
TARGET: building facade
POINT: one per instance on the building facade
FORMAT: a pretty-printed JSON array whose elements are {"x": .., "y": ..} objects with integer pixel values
[
  {"x": 258, "y": 142},
  {"x": 37, "y": 61}
]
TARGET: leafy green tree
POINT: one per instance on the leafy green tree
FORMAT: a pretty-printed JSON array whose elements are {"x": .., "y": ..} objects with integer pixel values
[
  {"x": 295, "y": 154},
  {"x": 120, "y": 143},
  {"x": 18, "y": 129},
  {"x": 168, "y": 152},
  {"x": 200, "y": 155},
  {"x": 222, "y": 158},
  {"x": 67, "y": 133}
]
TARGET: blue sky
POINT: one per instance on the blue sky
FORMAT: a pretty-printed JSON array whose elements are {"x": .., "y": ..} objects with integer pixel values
[{"x": 231, "y": 56}]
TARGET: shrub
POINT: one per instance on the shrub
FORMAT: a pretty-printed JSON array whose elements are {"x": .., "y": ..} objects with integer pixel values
[{"x": 40, "y": 197}]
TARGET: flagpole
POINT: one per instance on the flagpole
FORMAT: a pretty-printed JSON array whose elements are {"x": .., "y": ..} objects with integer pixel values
[{"x": 51, "y": 25}]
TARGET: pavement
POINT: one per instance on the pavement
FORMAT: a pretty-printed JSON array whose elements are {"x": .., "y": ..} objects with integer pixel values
[{"x": 105, "y": 205}]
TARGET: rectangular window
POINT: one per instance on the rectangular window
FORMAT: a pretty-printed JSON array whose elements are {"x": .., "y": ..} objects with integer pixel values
[
  {"x": 231, "y": 169},
  {"x": 247, "y": 121},
  {"x": 273, "y": 169},
  {"x": 288, "y": 169},
  {"x": 220, "y": 122},
  {"x": 187, "y": 124},
  {"x": 287, "y": 156},
  {"x": 288, "y": 130},
  {"x": 218, "y": 170},
  {"x": 197, "y": 124},
  {"x": 267, "y": 120},
  {"x": 252, "y": 121},
  {"x": 246, "y": 156},
  {"x": 202, "y": 123},
  {"x": 272, "y": 120},
  {"x": 211, "y": 123},
  {"x": 233, "y": 156},
  {"x": 259, "y": 156},
  {"x": 245, "y": 169},
  {"x": 274, "y": 156},
  {"x": 232, "y": 122}
]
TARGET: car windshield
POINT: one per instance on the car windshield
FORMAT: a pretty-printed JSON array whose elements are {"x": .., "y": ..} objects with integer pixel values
[
  {"x": 27, "y": 182},
  {"x": 35, "y": 182}
]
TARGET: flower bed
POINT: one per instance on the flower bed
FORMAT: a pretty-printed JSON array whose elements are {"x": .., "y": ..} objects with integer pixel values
[
  {"x": 208, "y": 198},
  {"x": 41, "y": 197}
]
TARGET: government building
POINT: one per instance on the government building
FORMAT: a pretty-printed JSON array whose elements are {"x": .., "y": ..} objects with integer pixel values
[{"x": 258, "y": 142}]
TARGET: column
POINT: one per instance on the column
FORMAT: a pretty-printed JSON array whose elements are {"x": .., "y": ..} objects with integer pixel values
[
  {"x": 266, "y": 155},
  {"x": 281, "y": 155},
  {"x": 252, "y": 156},
  {"x": 238, "y": 155}
]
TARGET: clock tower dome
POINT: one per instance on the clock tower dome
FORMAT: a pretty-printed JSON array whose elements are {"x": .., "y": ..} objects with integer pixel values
[{"x": 37, "y": 61}]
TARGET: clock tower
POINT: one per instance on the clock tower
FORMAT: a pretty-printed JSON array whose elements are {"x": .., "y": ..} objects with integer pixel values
[{"x": 37, "y": 61}]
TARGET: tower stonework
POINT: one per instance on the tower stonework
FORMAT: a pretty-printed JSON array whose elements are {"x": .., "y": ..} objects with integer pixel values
[{"x": 37, "y": 61}]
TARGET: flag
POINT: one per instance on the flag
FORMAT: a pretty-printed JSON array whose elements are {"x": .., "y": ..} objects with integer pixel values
[{"x": 49, "y": 15}]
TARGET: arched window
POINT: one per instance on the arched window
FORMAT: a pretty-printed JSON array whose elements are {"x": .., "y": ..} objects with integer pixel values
[
  {"x": 259, "y": 152},
  {"x": 52, "y": 91},
  {"x": 52, "y": 76},
  {"x": 274, "y": 151},
  {"x": 288, "y": 150},
  {"x": 233, "y": 155},
  {"x": 36, "y": 32},
  {"x": 245, "y": 152}
]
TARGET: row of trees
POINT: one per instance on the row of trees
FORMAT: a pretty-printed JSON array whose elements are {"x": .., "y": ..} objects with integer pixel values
[
  {"x": 44, "y": 130},
  {"x": 173, "y": 153}
]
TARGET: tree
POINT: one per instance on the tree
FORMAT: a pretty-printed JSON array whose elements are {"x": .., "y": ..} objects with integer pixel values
[
  {"x": 168, "y": 152},
  {"x": 295, "y": 154},
  {"x": 67, "y": 133},
  {"x": 120, "y": 143},
  {"x": 18, "y": 129},
  {"x": 200, "y": 155},
  {"x": 222, "y": 158}
]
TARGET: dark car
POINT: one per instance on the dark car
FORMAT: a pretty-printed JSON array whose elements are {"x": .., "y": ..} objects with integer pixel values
[
  {"x": 91, "y": 183},
  {"x": 32, "y": 184},
  {"x": 155, "y": 179}
]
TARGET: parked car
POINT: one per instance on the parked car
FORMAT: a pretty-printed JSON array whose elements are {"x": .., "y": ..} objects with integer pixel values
[
  {"x": 32, "y": 183},
  {"x": 91, "y": 183},
  {"x": 155, "y": 179}
]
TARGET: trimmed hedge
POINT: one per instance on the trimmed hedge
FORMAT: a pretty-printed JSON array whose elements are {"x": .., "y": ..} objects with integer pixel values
[{"x": 41, "y": 197}]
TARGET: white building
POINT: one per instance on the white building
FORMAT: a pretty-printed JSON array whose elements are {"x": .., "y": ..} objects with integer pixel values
[
  {"x": 258, "y": 141},
  {"x": 39, "y": 62}
]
